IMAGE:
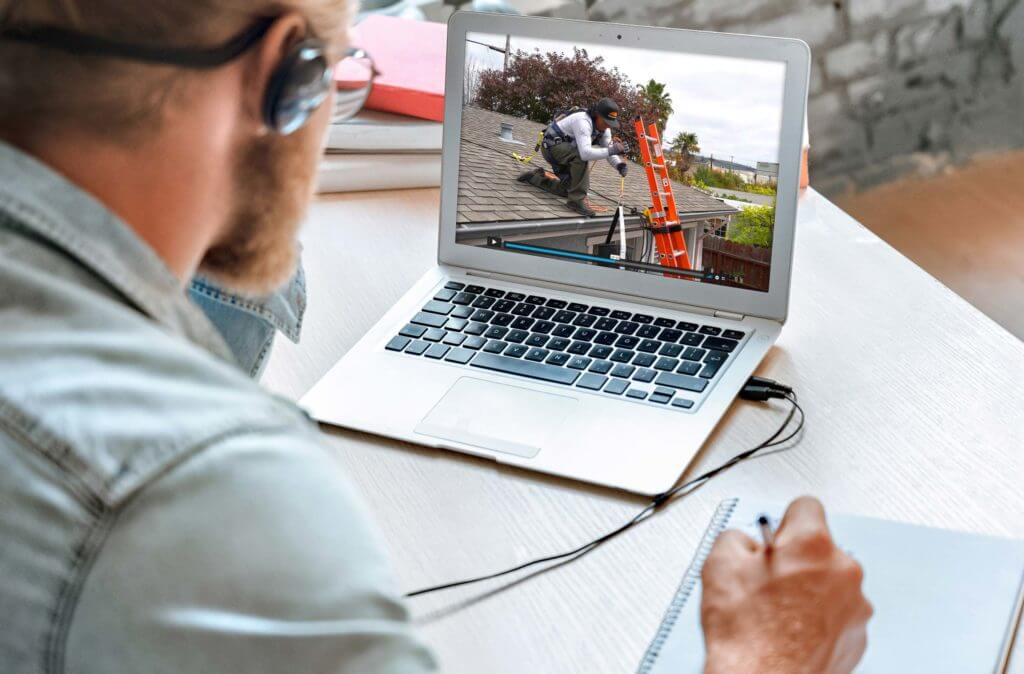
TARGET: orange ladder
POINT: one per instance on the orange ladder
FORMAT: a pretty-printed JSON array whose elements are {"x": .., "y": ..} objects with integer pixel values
[{"x": 668, "y": 232}]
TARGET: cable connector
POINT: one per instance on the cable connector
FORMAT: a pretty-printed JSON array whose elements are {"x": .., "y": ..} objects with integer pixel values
[
  {"x": 760, "y": 389},
  {"x": 770, "y": 383}
]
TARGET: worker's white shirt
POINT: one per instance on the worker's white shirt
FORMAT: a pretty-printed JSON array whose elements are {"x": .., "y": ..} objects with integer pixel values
[{"x": 581, "y": 128}]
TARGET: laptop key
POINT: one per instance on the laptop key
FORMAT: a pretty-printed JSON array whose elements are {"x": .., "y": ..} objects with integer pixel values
[
  {"x": 600, "y": 352},
  {"x": 412, "y": 330},
  {"x": 504, "y": 306},
  {"x": 577, "y": 307},
  {"x": 642, "y": 318},
  {"x": 627, "y": 342},
  {"x": 397, "y": 343},
  {"x": 558, "y": 344},
  {"x": 495, "y": 346},
  {"x": 682, "y": 403},
  {"x": 648, "y": 346},
  {"x": 665, "y": 391},
  {"x": 564, "y": 316},
  {"x": 494, "y": 292},
  {"x": 522, "y": 323},
  {"x": 558, "y": 358},
  {"x": 429, "y": 320},
  {"x": 693, "y": 353},
  {"x": 605, "y": 324},
  {"x": 444, "y": 295},
  {"x": 670, "y": 335},
  {"x": 502, "y": 319},
  {"x": 719, "y": 344},
  {"x": 437, "y": 351},
  {"x": 648, "y": 331},
  {"x": 434, "y": 335},
  {"x": 733, "y": 334},
  {"x": 659, "y": 398},
  {"x": 664, "y": 322},
  {"x": 461, "y": 356},
  {"x": 622, "y": 355},
  {"x": 579, "y": 348},
  {"x": 496, "y": 332},
  {"x": 563, "y": 331},
  {"x": 710, "y": 370},
  {"x": 536, "y": 340},
  {"x": 463, "y": 298},
  {"x": 536, "y": 299},
  {"x": 474, "y": 342},
  {"x": 578, "y": 363},
  {"x": 591, "y": 381},
  {"x": 623, "y": 370},
  {"x": 543, "y": 327},
  {"x": 417, "y": 347},
  {"x": 557, "y": 304},
  {"x": 620, "y": 315},
  {"x": 666, "y": 363},
  {"x": 476, "y": 328},
  {"x": 692, "y": 339},
  {"x": 517, "y": 336},
  {"x": 626, "y": 327},
  {"x": 523, "y": 309},
  {"x": 709, "y": 330},
  {"x": 600, "y": 366},
  {"x": 636, "y": 393},
  {"x": 483, "y": 302},
  {"x": 599, "y": 311},
  {"x": 670, "y": 350},
  {"x": 688, "y": 367},
  {"x": 644, "y": 359},
  {"x": 454, "y": 285},
  {"x": 515, "y": 297},
  {"x": 525, "y": 368},
  {"x": 584, "y": 334},
  {"x": 454, "y": 339},
  {"x": 686, "y": 327},
  {"x": 516, "y": 351},
  {"x": 543, "y": 313},
  {"x": 616, "y": 386},
  {"x": 681, "y": 381},
  {"x": 537, "y": 354},
  {"x": 605, "y": 338},
  {"x": 462, "y": 312},
  {"x": 456, "y": 324},
  {"x": 476, "y": 290},
  {"x": 715, "y": 357},
  {"x": 645, "y": 375},
  {"x": 584, "y": 320}
]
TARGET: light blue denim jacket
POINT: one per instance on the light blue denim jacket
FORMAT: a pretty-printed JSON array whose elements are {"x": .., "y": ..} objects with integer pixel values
[{"x": 159, "y": 511}]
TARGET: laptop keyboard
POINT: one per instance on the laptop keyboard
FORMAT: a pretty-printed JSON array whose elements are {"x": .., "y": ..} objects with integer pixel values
[{"x": 618, "y": 353}]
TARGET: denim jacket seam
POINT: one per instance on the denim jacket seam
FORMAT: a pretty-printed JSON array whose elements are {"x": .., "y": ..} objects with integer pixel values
[{"x": 291, "y": 331}]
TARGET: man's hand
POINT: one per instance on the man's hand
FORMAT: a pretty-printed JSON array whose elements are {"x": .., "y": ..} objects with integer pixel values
[
  {"x": 795, "y": 609},
  {"x": 622, "y": 169},
  {"x": 617, "y": 147}
]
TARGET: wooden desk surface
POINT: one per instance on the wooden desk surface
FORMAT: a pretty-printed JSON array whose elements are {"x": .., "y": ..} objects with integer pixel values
[{"x": 915, "y": 404}]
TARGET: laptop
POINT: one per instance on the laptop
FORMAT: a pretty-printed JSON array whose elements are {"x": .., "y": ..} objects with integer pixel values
[{"x": 601, "y": 347}]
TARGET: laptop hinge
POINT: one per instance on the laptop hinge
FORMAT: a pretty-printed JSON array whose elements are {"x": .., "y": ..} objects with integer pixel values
[{"x": 728, "y": 314}]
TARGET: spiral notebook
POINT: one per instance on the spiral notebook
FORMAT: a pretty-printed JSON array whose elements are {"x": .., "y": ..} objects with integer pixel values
[{"x": 944, "y": 601}]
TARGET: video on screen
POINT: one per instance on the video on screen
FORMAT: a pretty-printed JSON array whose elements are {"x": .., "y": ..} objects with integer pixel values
[{"x": 646, "y": 161}]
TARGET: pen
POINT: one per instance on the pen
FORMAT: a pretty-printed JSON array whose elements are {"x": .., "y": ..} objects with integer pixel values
[{"x": 766, "y": 532}]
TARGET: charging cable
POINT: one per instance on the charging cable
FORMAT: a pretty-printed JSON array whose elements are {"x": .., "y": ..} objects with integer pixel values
[{"x": 757, "y": 389}]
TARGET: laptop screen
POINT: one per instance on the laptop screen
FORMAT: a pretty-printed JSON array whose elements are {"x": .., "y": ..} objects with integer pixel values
[{"x": 648, "y": 162}]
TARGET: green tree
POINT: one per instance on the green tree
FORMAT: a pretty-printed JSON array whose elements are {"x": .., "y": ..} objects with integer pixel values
[
  {"x": 753, "y": 226},
  {"x": 660, "y": 99},
  {"x": 684, "y": 146}
]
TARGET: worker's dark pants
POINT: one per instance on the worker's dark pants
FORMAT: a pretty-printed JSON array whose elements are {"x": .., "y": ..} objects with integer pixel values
[{"x": 573, "y": 173}]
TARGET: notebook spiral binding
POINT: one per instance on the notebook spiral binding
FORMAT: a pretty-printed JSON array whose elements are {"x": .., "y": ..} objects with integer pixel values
[{"x": 718, "y": 524}]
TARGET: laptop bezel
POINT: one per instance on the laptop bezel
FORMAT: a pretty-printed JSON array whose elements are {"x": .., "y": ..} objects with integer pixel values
[{"x": 795, "y": 54}]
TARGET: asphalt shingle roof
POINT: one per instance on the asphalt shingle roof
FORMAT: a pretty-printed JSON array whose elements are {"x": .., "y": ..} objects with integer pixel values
[{"x": 489, "y": 192}]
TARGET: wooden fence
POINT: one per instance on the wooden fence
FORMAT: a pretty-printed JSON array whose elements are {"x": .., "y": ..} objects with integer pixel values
[{"x": 752, "y": 263}]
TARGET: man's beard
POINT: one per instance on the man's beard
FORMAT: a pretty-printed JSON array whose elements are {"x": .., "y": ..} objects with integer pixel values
[{"x": 273, "y": 185}]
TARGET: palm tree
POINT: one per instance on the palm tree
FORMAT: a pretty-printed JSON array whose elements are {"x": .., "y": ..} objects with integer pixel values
[
  {"x": 655, "y": 93},
  {"x": 685, "y": 145}
]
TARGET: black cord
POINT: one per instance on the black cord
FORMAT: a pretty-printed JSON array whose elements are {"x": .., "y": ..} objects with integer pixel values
[{"x": 659, "y": 501}]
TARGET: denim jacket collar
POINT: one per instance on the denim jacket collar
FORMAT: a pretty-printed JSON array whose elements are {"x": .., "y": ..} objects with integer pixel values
[{"x": 51, "y": 207}]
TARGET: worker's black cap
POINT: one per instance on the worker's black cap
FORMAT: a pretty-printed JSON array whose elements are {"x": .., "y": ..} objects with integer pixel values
[{"x": 608, "y": 110}]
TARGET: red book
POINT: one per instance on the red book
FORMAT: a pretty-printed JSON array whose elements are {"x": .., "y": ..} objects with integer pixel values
[{"x": 410, "y": 57}]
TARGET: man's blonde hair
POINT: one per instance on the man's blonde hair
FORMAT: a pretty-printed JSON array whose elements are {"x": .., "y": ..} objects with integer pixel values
[{"x": 41, "y": 86}]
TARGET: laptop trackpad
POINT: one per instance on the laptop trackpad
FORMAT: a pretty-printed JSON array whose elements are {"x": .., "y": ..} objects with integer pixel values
[{"x": 496, "y": 416}]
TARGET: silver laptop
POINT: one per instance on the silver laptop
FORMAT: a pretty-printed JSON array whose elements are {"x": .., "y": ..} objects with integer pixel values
[{"x": 602, "y": 347}]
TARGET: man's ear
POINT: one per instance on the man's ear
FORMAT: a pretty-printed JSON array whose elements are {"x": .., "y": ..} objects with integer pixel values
[{"x": 287, "y": 30}]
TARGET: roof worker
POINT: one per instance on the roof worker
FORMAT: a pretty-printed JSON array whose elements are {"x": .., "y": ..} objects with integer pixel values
[{"x": 571, "y": 142}]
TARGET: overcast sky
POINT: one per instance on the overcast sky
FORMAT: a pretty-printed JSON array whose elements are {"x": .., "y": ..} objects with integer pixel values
[{"x": 733, "y": 105}]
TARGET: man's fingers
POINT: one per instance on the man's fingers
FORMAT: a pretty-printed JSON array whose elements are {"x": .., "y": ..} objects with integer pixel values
[
  {"x": 804, "y": 518},
  {"x": 733, "y": 542}
]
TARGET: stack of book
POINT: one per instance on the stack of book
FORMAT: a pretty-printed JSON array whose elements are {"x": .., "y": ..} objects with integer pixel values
[{"x": 395, "y": 142}]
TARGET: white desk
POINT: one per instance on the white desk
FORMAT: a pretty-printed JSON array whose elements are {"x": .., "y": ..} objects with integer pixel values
[{"x": 915, "y": 404}]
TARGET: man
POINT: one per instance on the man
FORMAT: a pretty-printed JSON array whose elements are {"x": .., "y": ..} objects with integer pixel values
[
  {"x": 571, "y": 142},
  {"x": 160, "y": 512}
]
